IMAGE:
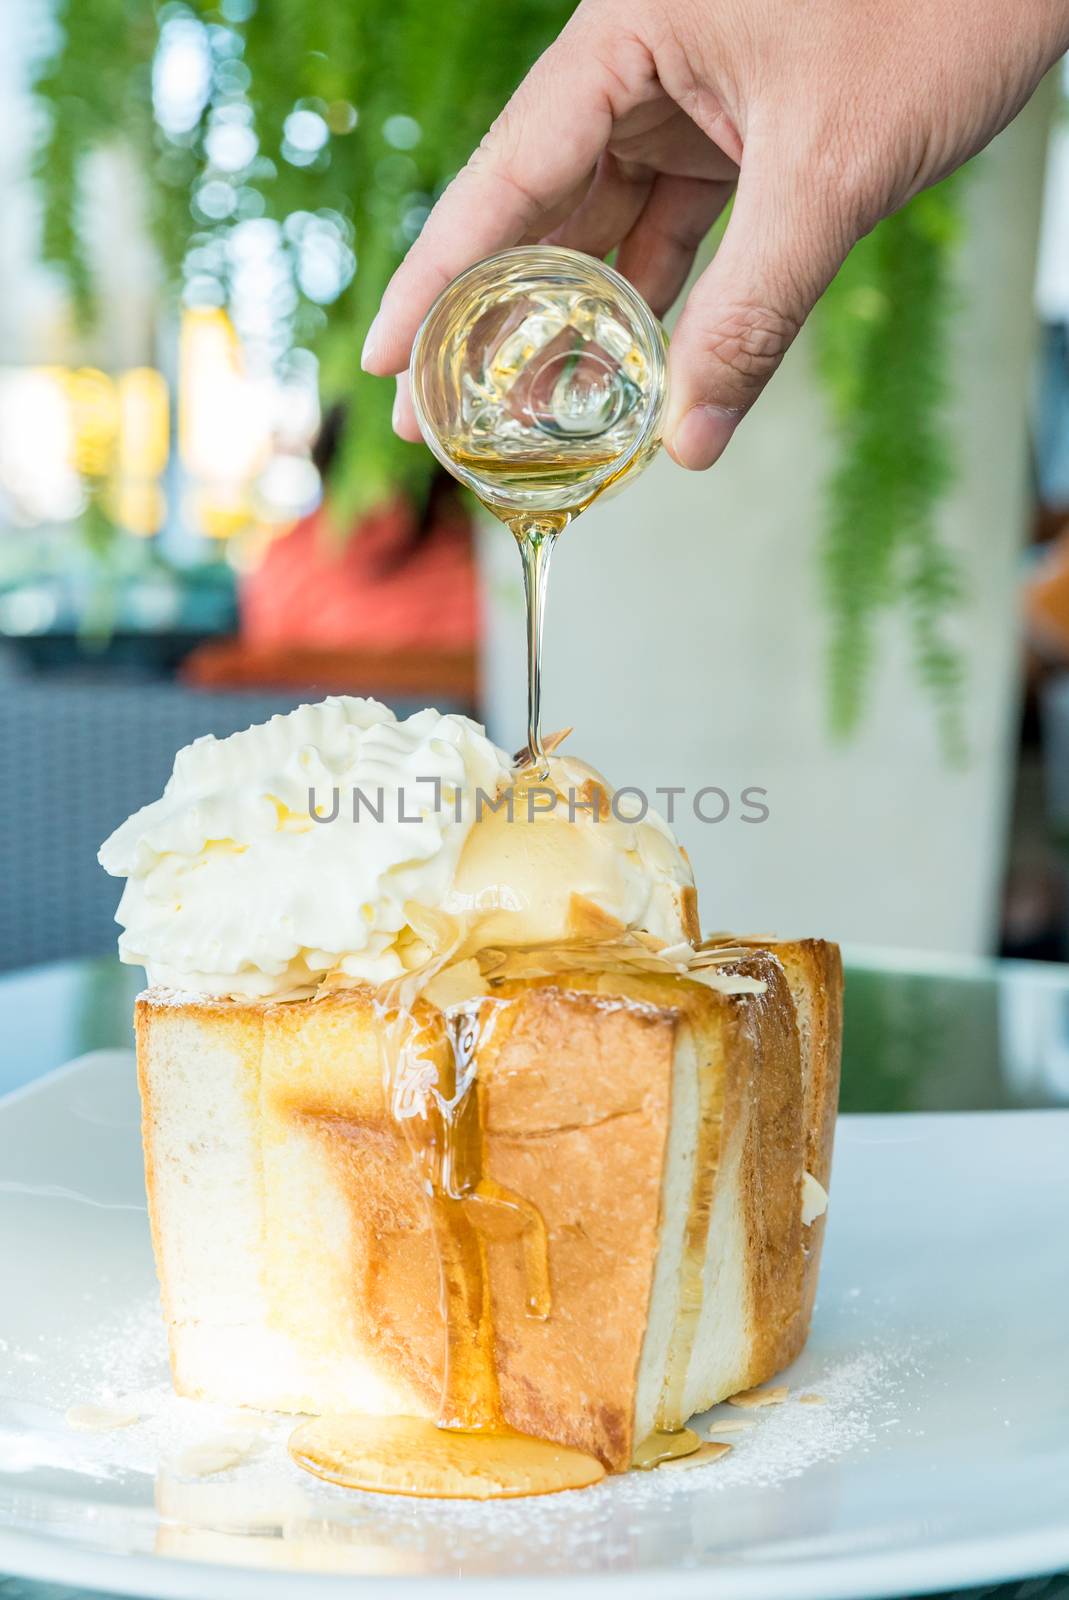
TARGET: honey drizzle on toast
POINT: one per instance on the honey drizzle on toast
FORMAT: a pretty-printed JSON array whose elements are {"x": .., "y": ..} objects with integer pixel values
[{"x": 431, "y": 1081}]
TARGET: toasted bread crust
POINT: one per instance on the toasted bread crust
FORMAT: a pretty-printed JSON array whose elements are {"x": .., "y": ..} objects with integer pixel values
[
  {"x": 770, "y": 1186},
  {"x": 814, "y": 972},
  {"x": 815, "y": 967}
]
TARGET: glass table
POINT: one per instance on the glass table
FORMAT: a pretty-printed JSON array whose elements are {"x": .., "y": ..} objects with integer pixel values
[{"x": 922, "y": 1033}]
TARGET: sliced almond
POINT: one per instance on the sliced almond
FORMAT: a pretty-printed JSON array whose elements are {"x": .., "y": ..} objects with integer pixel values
[
  {"x": 681, "y": 952},
  {"x": 750, "y": 940},
  {"x": 550, "y": 743},
  {"x": 587, "y": 920},
  {"x": 711, "y": 1451},
  {"x": 719, "y": 957},
  {"x": 737, "y": 983},
  {"x": 438, "y": 930},
  {"x": 456, "y": 985},
  {"x": 592, "y": 794},
  {"x": 814, "y": 1199},
  {"x": 729, "y": 1425},
  {"x": 211, "y": 1456},
  {"x": 811, "y": 1400},
  {"x": 101, "y": 1419},
  {"x": 251, "y": 1421},
  {"x": 688, "y": 913},
  {"x": 749, "y": 1399}
]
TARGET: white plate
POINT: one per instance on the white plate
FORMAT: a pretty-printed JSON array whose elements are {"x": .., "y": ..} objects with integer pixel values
[{"x": 940, "y": 1458}]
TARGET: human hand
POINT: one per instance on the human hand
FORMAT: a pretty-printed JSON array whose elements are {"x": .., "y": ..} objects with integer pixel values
[{"x": 638, "y": 123}]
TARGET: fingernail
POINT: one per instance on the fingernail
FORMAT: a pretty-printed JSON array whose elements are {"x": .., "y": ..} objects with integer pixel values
[
  {"x": 396, "y": 414},
  {"x": 367, "y": 354},
  {"x": 702, "y": 436}
]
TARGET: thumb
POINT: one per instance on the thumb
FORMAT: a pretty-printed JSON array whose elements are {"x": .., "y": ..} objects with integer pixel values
[{"x": 778, "y": 255}]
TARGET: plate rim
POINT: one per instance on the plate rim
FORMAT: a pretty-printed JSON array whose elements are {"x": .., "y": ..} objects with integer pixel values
[{"x": 959, "y": 1564}]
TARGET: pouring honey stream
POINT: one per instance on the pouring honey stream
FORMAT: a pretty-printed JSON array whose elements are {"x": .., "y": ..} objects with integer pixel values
[{"x": 539, "y": 381}]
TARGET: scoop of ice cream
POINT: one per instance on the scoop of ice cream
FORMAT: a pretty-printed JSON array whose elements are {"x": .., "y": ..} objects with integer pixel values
[
  {"x": 556, "y": 853},
  {"x": 318, "y": 844}
]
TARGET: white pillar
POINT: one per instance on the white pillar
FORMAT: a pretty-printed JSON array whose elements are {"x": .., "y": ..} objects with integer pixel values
[{"x": 686, "y": 636}]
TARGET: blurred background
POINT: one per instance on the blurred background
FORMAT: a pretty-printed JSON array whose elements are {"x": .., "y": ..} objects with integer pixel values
[{"x": 204, "y": 516}]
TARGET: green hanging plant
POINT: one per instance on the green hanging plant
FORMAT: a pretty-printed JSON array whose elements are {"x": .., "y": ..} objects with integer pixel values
[
  {"x": 395, "y": 94},
  {"x": 883, "y": 328},
  {"x": 399, "y": 92}
]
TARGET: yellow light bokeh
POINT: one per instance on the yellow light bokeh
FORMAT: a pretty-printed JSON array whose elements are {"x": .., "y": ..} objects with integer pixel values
[
  {"x": 137, "y": 504},
  {"x": 108, "y": 437},
  {"x": 94, "y": 405},
  {"x": 224, "y": 430},
  {"x": 144, "y": 423}
]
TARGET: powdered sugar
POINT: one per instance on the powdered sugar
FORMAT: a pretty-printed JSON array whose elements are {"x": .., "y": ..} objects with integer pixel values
[
  {"x": 213, "y": 1472},
  {"x": 861, "y": 1393}
]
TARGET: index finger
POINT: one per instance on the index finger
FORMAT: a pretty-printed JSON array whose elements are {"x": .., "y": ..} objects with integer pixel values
[{"x": 544, "y": 143}]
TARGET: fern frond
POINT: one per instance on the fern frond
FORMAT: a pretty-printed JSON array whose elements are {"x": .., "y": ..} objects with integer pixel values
[{"x": 884, "y": 350}]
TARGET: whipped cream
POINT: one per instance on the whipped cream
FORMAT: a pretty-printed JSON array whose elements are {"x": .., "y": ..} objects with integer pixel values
[{"x": 234, "y": 889}]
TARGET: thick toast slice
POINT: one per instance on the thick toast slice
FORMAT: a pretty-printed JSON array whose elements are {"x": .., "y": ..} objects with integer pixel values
[{"x": 661, "y": 1125}]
